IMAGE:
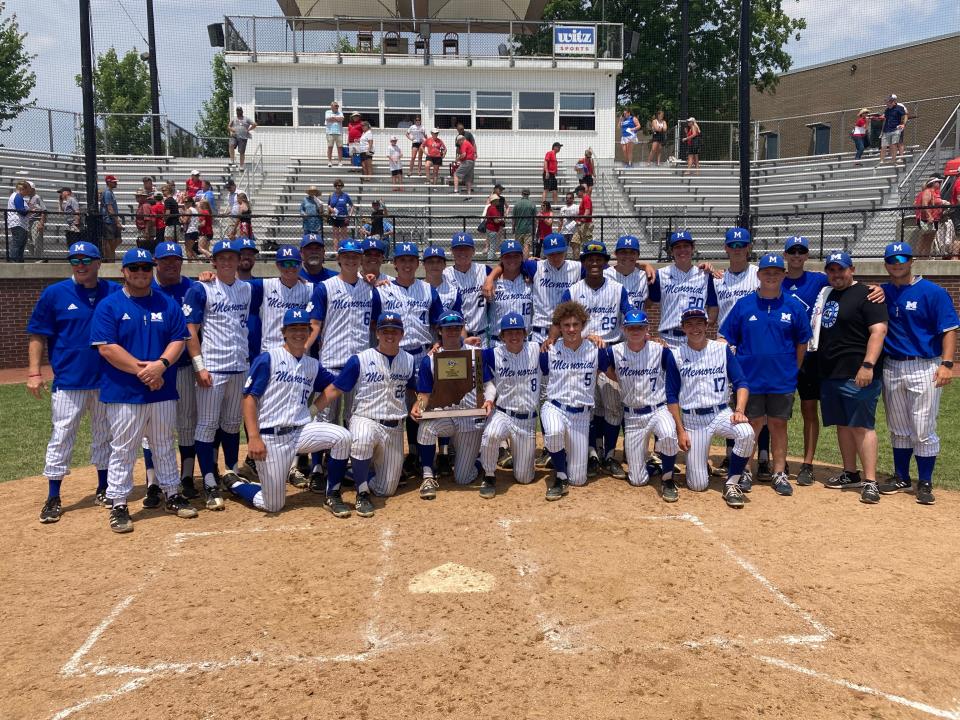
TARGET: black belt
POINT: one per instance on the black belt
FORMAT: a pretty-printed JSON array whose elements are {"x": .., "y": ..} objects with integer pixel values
[
  {"x": 518, "y": 415},
  {"x": 568, "y": 408},
  {"x": 538, "y": 329},
  {"x": 642, "y": 410},
  {"x": 904, "y": 358},
  {"x": 495, "y": 337},
  {"x": 279, "y": 430},
  {"x": 386, "y": 423},
  {"x": 706, "y": 410}
]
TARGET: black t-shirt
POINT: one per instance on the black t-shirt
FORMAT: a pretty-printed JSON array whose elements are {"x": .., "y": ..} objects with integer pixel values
[
  {"x": 845, "y": 330},
  {"x": 172, "y": 211}
]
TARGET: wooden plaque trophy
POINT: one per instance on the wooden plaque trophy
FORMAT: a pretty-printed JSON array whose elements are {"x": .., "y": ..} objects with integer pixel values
[{"x": 455, "y": 374}]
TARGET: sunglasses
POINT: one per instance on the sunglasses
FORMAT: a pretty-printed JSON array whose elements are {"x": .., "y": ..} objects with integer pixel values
[
  {"x": 140, "y": 267},
  {"x": 75, "y": 261},
  {"x": 289, "y": 263},
  {"x": 798, "y": 251},
  {"x": 737, "y": 246}
]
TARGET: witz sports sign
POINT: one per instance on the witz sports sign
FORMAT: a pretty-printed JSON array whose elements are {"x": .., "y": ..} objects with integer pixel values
[{"x": 574, "y": 40}]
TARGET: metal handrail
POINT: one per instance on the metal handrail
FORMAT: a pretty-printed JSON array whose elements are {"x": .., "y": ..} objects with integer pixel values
[
  {"x": 905, "y": 186},
  {"x": 255, "y": 174}
]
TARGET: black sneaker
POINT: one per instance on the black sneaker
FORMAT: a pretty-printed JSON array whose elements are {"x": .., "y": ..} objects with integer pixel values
[
  {"x": 925, "y": 494},
  {"x": 188, "y": 489},
  {"x": 844, "y": 480},
  {"x": 213, "y": 498},
  {"x": 733, "y": 496},
  {"x": 488, "y": 488},
  {"x": 296, "y": 478},
  {"x": 318, "y": 483},
  {"x": 52, "y": 510},
  {"x": 556, "y": 491},
  {"x": 120, "y": 521},
  {"x": 335, "y": 504},
  {"x": 746, "y": 480},
  {"x": 669, "y": 491},
  {"x": 781, "y": 484},
  {"x": 654, "y": 466},
  {"x": 101, "y": 500},
  {"x": 805, "y": 476},
  {"x": 870, "y": 493},
  {"x": 364, "y": 506},
  {"x": 894, "y": 486},
  {"x": 152, "y": 499},
  {"x": 593, "y": 466},
  {"x": 763, "y": 471},
  {"x": 180, "y": 506},
  {"x": 613, "y": 468}
]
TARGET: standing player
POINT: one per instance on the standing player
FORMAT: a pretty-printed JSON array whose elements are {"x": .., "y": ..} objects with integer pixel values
[
  {"x": 514, "y": 366},
  {"x": 740, "y": 278},
  {"x": 248, "y": 258},
  {"x": 61, "y": 318},
  {"x": 627, "y": 272},
  {"x": 511, "y": 290},
  {"x": 679, "y": 287},
  {"x": 920, "y": 346},
  {"x": 277, "y": 295},
  {"x": 698, "y": 393},
  {"x": 374, "y": 254},
  {"x": 434, "y": 263},
  {"x": 641, "y": 367},
  {"x": 379, "y": 378},
  {"x": 219, "y": 308},
  {"x": 311, "y": 250},
  {"x": 468, "y": 277},
  {"x": 140, "y": 335},
  {"x": 277, "y": 415}
]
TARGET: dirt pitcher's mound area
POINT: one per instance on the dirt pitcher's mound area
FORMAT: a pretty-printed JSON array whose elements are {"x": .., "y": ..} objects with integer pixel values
[{"x": 607, "y": 604}]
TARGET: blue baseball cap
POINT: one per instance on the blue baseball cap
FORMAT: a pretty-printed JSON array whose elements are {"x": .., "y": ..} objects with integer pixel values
[
  {"x": 288, "y": 252},
  {"x": 594, "y": 248},
  {"x": 737, "y": 237},
  {"x": 349, "y": 246},
  {"x": 451, "y": 319},
  {"x": 635, "y": 317},
  {"x": 897, "y": 253},
  {"x": 406, "y": 250},
  {"x": 374, "y": 243},
  {"x": 135, "y": 255},
  {"x": 434, "y": 251},
  {"x": 628, "y": 242},
  {"x": 512, "y": 321},
  {"x": 296, "y": 316},
  {"x": 771, "y": 261},
  {"x": 554, "y": 243},
  {"x": 680, "y": 236},
  {"x": 311, "y": 239},
  {"x": 84, "y": 248},
  {"x": 223, "y": 246},
  {"x": 796, "y": 241},
  {"x": 168, "y": 249},
  {"x": 693, "y": 314},
  {"x": 390, "y": 319},
  {"x": 461, "y": 240},
  {"x": 510, "y": 246},
  {"x": 840, "y": 258},
  {"x": 245, "y": 243}
]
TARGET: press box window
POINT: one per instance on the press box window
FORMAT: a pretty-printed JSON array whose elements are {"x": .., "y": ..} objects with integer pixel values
[
  {"x": 312, "y": 106},
  {"x": 577, "y": 111},
  {"x": 494, "y": 111},
  {"x": 400, "y": 107},
  {"x": 365, "y": 102},
  {"x": 536, "y": 111},
  {"x": 273, "y": 106},
  {"x": 451, "y": 107}
]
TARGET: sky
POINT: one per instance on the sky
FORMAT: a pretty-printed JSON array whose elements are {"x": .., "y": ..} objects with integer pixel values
[{"x": 835, "y": 30}]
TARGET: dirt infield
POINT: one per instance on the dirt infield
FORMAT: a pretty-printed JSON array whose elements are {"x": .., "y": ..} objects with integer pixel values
[{"x": 608, "y": 604}]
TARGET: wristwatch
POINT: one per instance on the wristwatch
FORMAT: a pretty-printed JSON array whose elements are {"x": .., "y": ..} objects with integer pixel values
[
  {"x": 166, "y": 363},
  {"x": 948, "y": 364},
  {"x": 867, "y": 365}
]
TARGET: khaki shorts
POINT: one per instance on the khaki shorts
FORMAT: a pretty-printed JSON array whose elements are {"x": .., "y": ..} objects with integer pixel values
[
  {"x": 583, "y": 234},
  {"x": 334, "y": 139}
]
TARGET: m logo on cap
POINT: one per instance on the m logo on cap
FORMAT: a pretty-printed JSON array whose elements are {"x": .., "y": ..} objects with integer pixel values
[
  {"x": 297, "y": 314},
  {"x": 513, "y": 321},
  {"x": 286, "y": 252},
  {"x": 898, "y": 248},
  {"x": 172, "y": 247},
  {"x": 407, "y": 247},
  {"x": 836, "y": 256},
  {"x": 81, "y": 247},
  {"x": 771, "y": 258},
  {"x": 141, "y": 253},
  {"x": 737, "y": 233}
]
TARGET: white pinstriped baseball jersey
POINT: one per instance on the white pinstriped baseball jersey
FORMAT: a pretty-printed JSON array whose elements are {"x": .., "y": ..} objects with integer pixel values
[
  {"x": 346, "y": 324},
  {"x": 277, "y": 299},
  {"x": 679, "y": 291},
  {"x": 549, "y": 284},
  {"x": 285, "y": 397},
  {"x": 222, "y": 310},
  {"x": 474, "y": 304},
  {"x": 604, "y": 306},
  {"x": 635, "y": 284},
  {"x": 449, "y": 293},
  {"x": 572, "y": 374},
  {"x": 703, "y": 375},
  {"x": 516, "y": 376},
  {"x": 413, "y": 305},
  {"x": 381, "y": 389},
  {"x": 642, "y": 379},
  {"x": 733, "y": 286},
  {"x": 510, "y": 296}
]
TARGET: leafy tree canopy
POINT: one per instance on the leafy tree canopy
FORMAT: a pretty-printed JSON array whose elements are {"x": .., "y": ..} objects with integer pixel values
[{"x": 17, "y": 80}]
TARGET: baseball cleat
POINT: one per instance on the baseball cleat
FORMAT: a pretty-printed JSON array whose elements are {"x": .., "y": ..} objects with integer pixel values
[
  {"x": 317, "y": 484},
  {"x": 555, "y": 491},
  {"x": 925, "y": 494},
  {"x": 213, "y": 498},
  {"x": 894, "y": 486},
  {"x": 180, "y": 506},
  {"x": 120, "y": 521},
  {"x": 364, "y": 505},
  {"x": 593, "y": 466},
  {"x": 503, "y": 456},
  {"x": 230, "y": 478},
  {"x": 733, "y": 496},
  {"x": 669, "y": 491},
  {"x": 654, "y": 467},
  {"x": 428, "y": 488},
  {"x": 870, "y": 493},
  {"x": 805, "y": 476},
  {"x": 188, "y": 489},
  {"x": 335, "y": 504},
  {"x": 297, "y": 479},
  {"x": 763, "y": 471},
  {"x": 781, "y": 484},
  {"x": 542, "y": 457},
  {"x": 52, "y": 510},
  {"x": 844, "y": 480},
  {"x": 746, "y": 480},
  {"x": 101, "y": 500},
  {"x": 488, "y": 488},
  {"x": 152, "y": 499},
  {"x": 613, "y": 468}
]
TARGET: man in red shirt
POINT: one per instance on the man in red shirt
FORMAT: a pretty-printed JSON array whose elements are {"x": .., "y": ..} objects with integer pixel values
[
  {"x": 435, "y": 149},
  {"x": 550, "y": 172},
  {"x": 194, "y": 184},
  {"x": 584, "y": 232},
  {"x": 467, "y": 157},
  {"x": 158, "y": 214}
]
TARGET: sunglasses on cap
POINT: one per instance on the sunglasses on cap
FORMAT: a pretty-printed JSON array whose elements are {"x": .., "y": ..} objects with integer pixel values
[
  {"x": 75, "y": 261},
  {"x": 798, "y": 250},
  {"x": 289, "y": 263},
  {"x": 140, "y": 267}
]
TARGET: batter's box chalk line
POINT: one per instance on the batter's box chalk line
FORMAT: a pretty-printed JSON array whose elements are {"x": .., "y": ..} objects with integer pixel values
[{"x": 374, "y": 640}]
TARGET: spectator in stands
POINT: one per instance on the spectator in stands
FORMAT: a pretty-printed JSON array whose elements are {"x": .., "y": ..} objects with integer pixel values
[
  {"x": 416, "y": 134},
  {"x": 658, "y": 138},
  {"x": 341, "y": 210},
  {"x": 859, "y": 133},
  {"x": 378, "y": 226},
  {"x": 584, "y": 232},
  {"x": 494, "y": 222},
  {"x": 208, "y": 195},
  {"x": 333, "y": 121},
  {"x": 112, "y": 228},
  {"x": 37, "y": 218},
  {"x": 692, "y": 140},
  {"x": 585, "y": 170},
  {"x": 190, "y": 221},
  {"x": 354, "y": 131},
  {"x": 18, "y": 222},
  {"x": 194, "y": 184},
  {"x": 395, "y": 156},
  {"x": 568, "y": 217},
  {"x": 544, "y": 226},
  {"x": 146, "y": 224},
  {"x": 239, "y": 129},
  {"x": 231, "y": 207},
  {"x": 312, "y": 211},
  {"x": 523, "y": 215},
  {"x": 148, "y": 186},
  {"x": 467, "y": 157},
  {"x": 206, "y": 227},
  {"x": 935, "y": 237},
  {"x": 72, "y": 219},
  {"x": 550, "y": 171},
  {"x": 435, "y": 149},
  {"x": 244, "y": 226},
  {"x": 366, "y": 150},
  {"x": 629, "y": 127},
  {"x": 895, "y": 118},
  {"x": 171, "y": 213},
  {"x": 461, "y": 130},
  {"x": 159, "y": 212}
]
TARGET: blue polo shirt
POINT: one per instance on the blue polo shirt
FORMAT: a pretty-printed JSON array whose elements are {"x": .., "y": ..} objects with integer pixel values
[
  {"x": 805, "y": 289},
  {"x": 341, "y": 202},
  {"x": 178, "y": 292},
  {"x": 892, "y": 117},
  {"x": 766, "y": 334},
  {"x": 62, "y": 315},
  {"x": 919, "y": 315},
  {"x": 142, "y": 326}
]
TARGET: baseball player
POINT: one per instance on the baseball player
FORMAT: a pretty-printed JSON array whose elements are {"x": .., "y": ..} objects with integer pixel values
[
  {"x": 311, "y": 249},
  {"x": 920, "y": 345},
  {"x": 641, "y": 368},
  {"x": 277, "y": 415},
  {"x": 681, "y": 286},
  {"x": 279, "y": 294},
  {"x": 371, "y": 264},
  {"x": 571, "y": 366},
  {"x": 740, "y": 278},
  {"x": 698, "y": 392},
  {"x": 627, "y": 272},
  {"x": 468, "y": 277},
  {"x": 514, "y": 366},
  {"x": 140, "y": 335},
  {"x": 465, "y": 431},
  {"x": 606, "y": 302},
  {"x": 770, "y": 331},
  {"x": 511, "y": 290},
  {"x": 219, "y": 308},
  {"x": 379, "y": 378},
  {"x": 434, "y": 263},
  {"x": 61, "y": 319}
]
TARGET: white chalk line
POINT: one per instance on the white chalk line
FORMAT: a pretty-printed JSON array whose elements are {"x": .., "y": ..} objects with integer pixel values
[
  {"x": 130, "y": 686},
  {"x": 857, "y": 687}
]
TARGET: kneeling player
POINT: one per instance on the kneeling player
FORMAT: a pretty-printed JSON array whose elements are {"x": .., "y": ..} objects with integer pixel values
[
  {"x": 698, "y": 392},
  {"x": 277, "y": 418},
  {"x": 641, "y": 367},
  {"x": 515, "y": 368}
]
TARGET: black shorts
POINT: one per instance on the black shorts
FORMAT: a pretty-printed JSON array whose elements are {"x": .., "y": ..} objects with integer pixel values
[
  {"x": 550, "y": 182},
  {"x": 770, "y": 405},
  {"x": 366, "y": 156},
  {"x": 808, "y": 379},
  {"x": 587, "y": 180},
  {"x": 659, "y": 137},
  {"x": 192, "y": 240},
  {"x": 416, "y": 145},
  {"x": 396, "y": 173},
  {"x": 338, "y": 221},
  {"x": 435, "y": 160}
]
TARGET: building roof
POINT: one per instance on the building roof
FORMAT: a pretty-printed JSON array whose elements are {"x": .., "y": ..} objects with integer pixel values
[
  {"x": 419, "y": 9},
  {"x": 880, "y": 51}
]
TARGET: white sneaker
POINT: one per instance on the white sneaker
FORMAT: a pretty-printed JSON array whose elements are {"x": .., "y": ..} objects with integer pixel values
[{"x": 329, "y": 164}]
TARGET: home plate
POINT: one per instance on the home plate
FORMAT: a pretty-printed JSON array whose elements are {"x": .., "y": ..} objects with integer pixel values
[{"x": 452, "y": 578}]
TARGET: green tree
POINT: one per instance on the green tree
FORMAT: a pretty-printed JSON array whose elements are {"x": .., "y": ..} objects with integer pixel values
[
  {"x": 121, "y": 92},
  {"x": 212, "y": 126},
  {"x": 16, "y": 79}
]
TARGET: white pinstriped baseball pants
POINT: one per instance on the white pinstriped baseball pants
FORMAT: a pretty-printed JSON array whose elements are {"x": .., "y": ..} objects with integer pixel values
[
  {"x": 67, "y": 409},
  {"x": 523, "y": 442},
  {"x": 701, "y": 429},
  {"x": 637, "y": 430},
  {"x": 912, "y": 403},
  {"x": 466, "y": 443},
  {"x": 570, "y": 431},
  {"x": 383, "y": 444},
  {"x": 129, "y": 424},
  {"x": 219, "y": 406}
]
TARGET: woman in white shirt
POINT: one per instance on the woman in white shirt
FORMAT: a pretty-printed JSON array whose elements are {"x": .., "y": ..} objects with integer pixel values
[
  {"x": 568, "y": 218},
  {"x": 416, "y": 135},
  {"x": 366, "y": 151},
  {"x": 190, "y": 219}
]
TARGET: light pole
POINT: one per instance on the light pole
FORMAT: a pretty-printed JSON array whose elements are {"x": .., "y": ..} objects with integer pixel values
[
  {"x": 744, "y": 111},
  {"x": 89, "y": 125},
  {"x": 154, "y": 81}
]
